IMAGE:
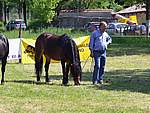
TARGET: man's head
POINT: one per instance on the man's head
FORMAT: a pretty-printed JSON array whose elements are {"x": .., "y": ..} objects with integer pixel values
[{"x": 103, "y": 26}]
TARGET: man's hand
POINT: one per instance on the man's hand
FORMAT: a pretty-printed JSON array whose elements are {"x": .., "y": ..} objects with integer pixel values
[{"x": 91, "y": 55}]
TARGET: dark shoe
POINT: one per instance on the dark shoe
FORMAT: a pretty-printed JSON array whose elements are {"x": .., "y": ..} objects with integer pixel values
[
  {"x": 100, "y": 82},
  {"x": 95, "y": 82}
]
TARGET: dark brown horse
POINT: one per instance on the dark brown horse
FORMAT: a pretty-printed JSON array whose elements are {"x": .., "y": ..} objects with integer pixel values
[
  {"x": 60, "y": 48},
  {"x": 4, "y": 50}
]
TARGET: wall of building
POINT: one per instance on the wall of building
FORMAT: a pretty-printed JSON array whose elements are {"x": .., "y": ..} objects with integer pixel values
[{"x": 80, "y": 19}]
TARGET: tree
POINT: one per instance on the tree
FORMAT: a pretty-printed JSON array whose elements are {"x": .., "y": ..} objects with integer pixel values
[
  {"x": 91, "y": 4},
  {"x": 43, "y": 10},
  {"x": 129, "y": 2},
  {"x": 1, "y": 11}
]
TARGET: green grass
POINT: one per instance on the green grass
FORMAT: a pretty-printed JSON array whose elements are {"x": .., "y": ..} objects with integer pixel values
[
  {"x": 126, "y": 87},
  {"x": 73, "y": 33}
]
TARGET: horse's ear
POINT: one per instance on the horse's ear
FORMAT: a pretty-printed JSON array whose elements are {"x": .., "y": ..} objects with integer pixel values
[{"x": 64, "y": 35}]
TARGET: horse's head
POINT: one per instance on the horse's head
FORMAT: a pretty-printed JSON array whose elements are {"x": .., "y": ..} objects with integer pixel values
[
  {"x": 76, "y": 72},
  {"x": 75, "y": 65},
  {"x": 72, "y": 54}
]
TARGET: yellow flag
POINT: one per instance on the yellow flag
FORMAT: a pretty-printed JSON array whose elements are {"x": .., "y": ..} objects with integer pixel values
[{"x": 28, "y": 47}]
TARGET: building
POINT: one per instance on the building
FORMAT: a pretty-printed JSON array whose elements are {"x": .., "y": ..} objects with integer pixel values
[
  {"x": 76, "y": 19},
  {"x": 138, "y": 10}
]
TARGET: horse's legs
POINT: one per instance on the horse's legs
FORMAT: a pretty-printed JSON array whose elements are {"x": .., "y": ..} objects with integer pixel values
[
  {"x": 46, "y": 69},
  {"x": 37, "y": 71},
  {"x": 38, "y": 63},
  {"x": 65, "y": 78},
  {"x": 67, "y": 71},
  {"x": 38, "y": 67},
  {"x": 4, "y": 61},
  {"x": 77, "y": 80}
]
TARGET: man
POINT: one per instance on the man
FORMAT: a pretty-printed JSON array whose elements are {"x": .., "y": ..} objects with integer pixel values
[{"x": 98, "y": 45}]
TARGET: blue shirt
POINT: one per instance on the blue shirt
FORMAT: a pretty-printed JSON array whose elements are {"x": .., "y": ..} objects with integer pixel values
[{"x": 99, "y": 40}]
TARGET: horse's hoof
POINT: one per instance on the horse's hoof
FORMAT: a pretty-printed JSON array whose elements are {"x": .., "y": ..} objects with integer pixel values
[
  {"x": 2, "y": 82},
  {"x": 77, "y": 84},
  {"x": 38, "y": 80},
  {"x": 64, "y": 84},
  {"x": 47, "y": 80}
]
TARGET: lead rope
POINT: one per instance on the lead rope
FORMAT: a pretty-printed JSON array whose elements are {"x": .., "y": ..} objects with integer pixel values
[{"x": 85, "y": 62}]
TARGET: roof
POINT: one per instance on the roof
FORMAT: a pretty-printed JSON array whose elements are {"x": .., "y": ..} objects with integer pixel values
[
  {"x": 133, "y": 9},
  {"x": 86, "y": 10}
]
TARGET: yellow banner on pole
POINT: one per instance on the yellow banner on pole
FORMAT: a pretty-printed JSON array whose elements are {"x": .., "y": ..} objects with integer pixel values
[
  {"x": 27, "y": 51},
  {"x": 27, "y": 48},
  {"x": 133, "y": 19},
  {"x": 123, "y": 20}
]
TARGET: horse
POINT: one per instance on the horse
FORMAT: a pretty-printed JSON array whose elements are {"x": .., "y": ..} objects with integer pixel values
[
  {"x": 61, "y": 48},
  {"x": 4, "y": 51}
]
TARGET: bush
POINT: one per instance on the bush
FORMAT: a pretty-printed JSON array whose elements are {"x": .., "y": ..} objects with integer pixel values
[
  {"x": 37, "y": 25},
  {"x": 1, "y": 26}
]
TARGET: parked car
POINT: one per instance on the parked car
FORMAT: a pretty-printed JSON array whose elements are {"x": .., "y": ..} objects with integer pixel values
[
  {"x": 90, "y": 26},
  {"x": 15, "y": 24},
  {"x": 135, "y": 30},
  {"x": 141, "y": 29},
  {"x": 114, "y": 28}
]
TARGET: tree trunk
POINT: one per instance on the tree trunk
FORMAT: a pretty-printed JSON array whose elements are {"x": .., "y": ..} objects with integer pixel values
[
  {"x": 24, "y": 12},
  {"x": 55, "y": 21},
  {"x": 5, "y": 13},
  {"x": 1, "y": 11},
  {"x": 20, "y": 10}
]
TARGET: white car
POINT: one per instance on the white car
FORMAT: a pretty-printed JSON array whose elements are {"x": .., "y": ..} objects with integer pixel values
[
  {"x": 15, "y": 24},
  {"x": 114, "y": 28}
]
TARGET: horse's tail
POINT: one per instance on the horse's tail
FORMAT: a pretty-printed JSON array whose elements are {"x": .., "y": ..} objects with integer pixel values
[
  {"x": 38, "y": 58},
  {"x": 38, "y": 66}
]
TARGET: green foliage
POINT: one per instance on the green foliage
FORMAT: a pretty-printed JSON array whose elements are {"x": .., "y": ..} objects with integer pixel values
[
  {"x": 35, "y": 25},
  {"x": 43, "y": 10},
  {"x": 34, "y": 32},
  {"x": 133, "y": 2},
  {"x": 92, "y": 4},
  {"x": 1, "y": 26},
  {"x": 105, "y": 4}
]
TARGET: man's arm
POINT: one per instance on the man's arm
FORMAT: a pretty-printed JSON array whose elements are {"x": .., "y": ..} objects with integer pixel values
[
  {"x": 108, "y": 40},
  {"x": 91, "y": 44}
]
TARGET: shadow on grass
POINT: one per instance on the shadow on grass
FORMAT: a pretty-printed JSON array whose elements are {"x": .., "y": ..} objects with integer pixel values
[
  {"x": 137, "y": 80},
  {"x": 42, "y": 82},
  {"x": 126, "y": 50},
  {"x": 122, "y": 80},
  {"x": 128, "y": 46},
  {"x": 29, "y": 82}
]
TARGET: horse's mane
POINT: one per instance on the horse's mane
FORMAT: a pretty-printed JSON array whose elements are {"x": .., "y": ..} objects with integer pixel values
[
  {"x": 74, "y": 53},
  {"x": 70, "y": 43}
]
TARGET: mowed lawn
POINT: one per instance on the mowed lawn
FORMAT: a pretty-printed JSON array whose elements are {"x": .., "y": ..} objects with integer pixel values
[{"x": 126, "y": 87}]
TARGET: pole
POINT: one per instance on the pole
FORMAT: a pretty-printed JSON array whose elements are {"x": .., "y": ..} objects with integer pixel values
[
  {"x": 20, "y": 36},
  {"x": 147, "y": 17}
]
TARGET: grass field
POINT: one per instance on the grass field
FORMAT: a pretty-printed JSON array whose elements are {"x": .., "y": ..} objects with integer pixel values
[
  {"x": 126, "y": 87},
  {"x": 73, "y": 33}
]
